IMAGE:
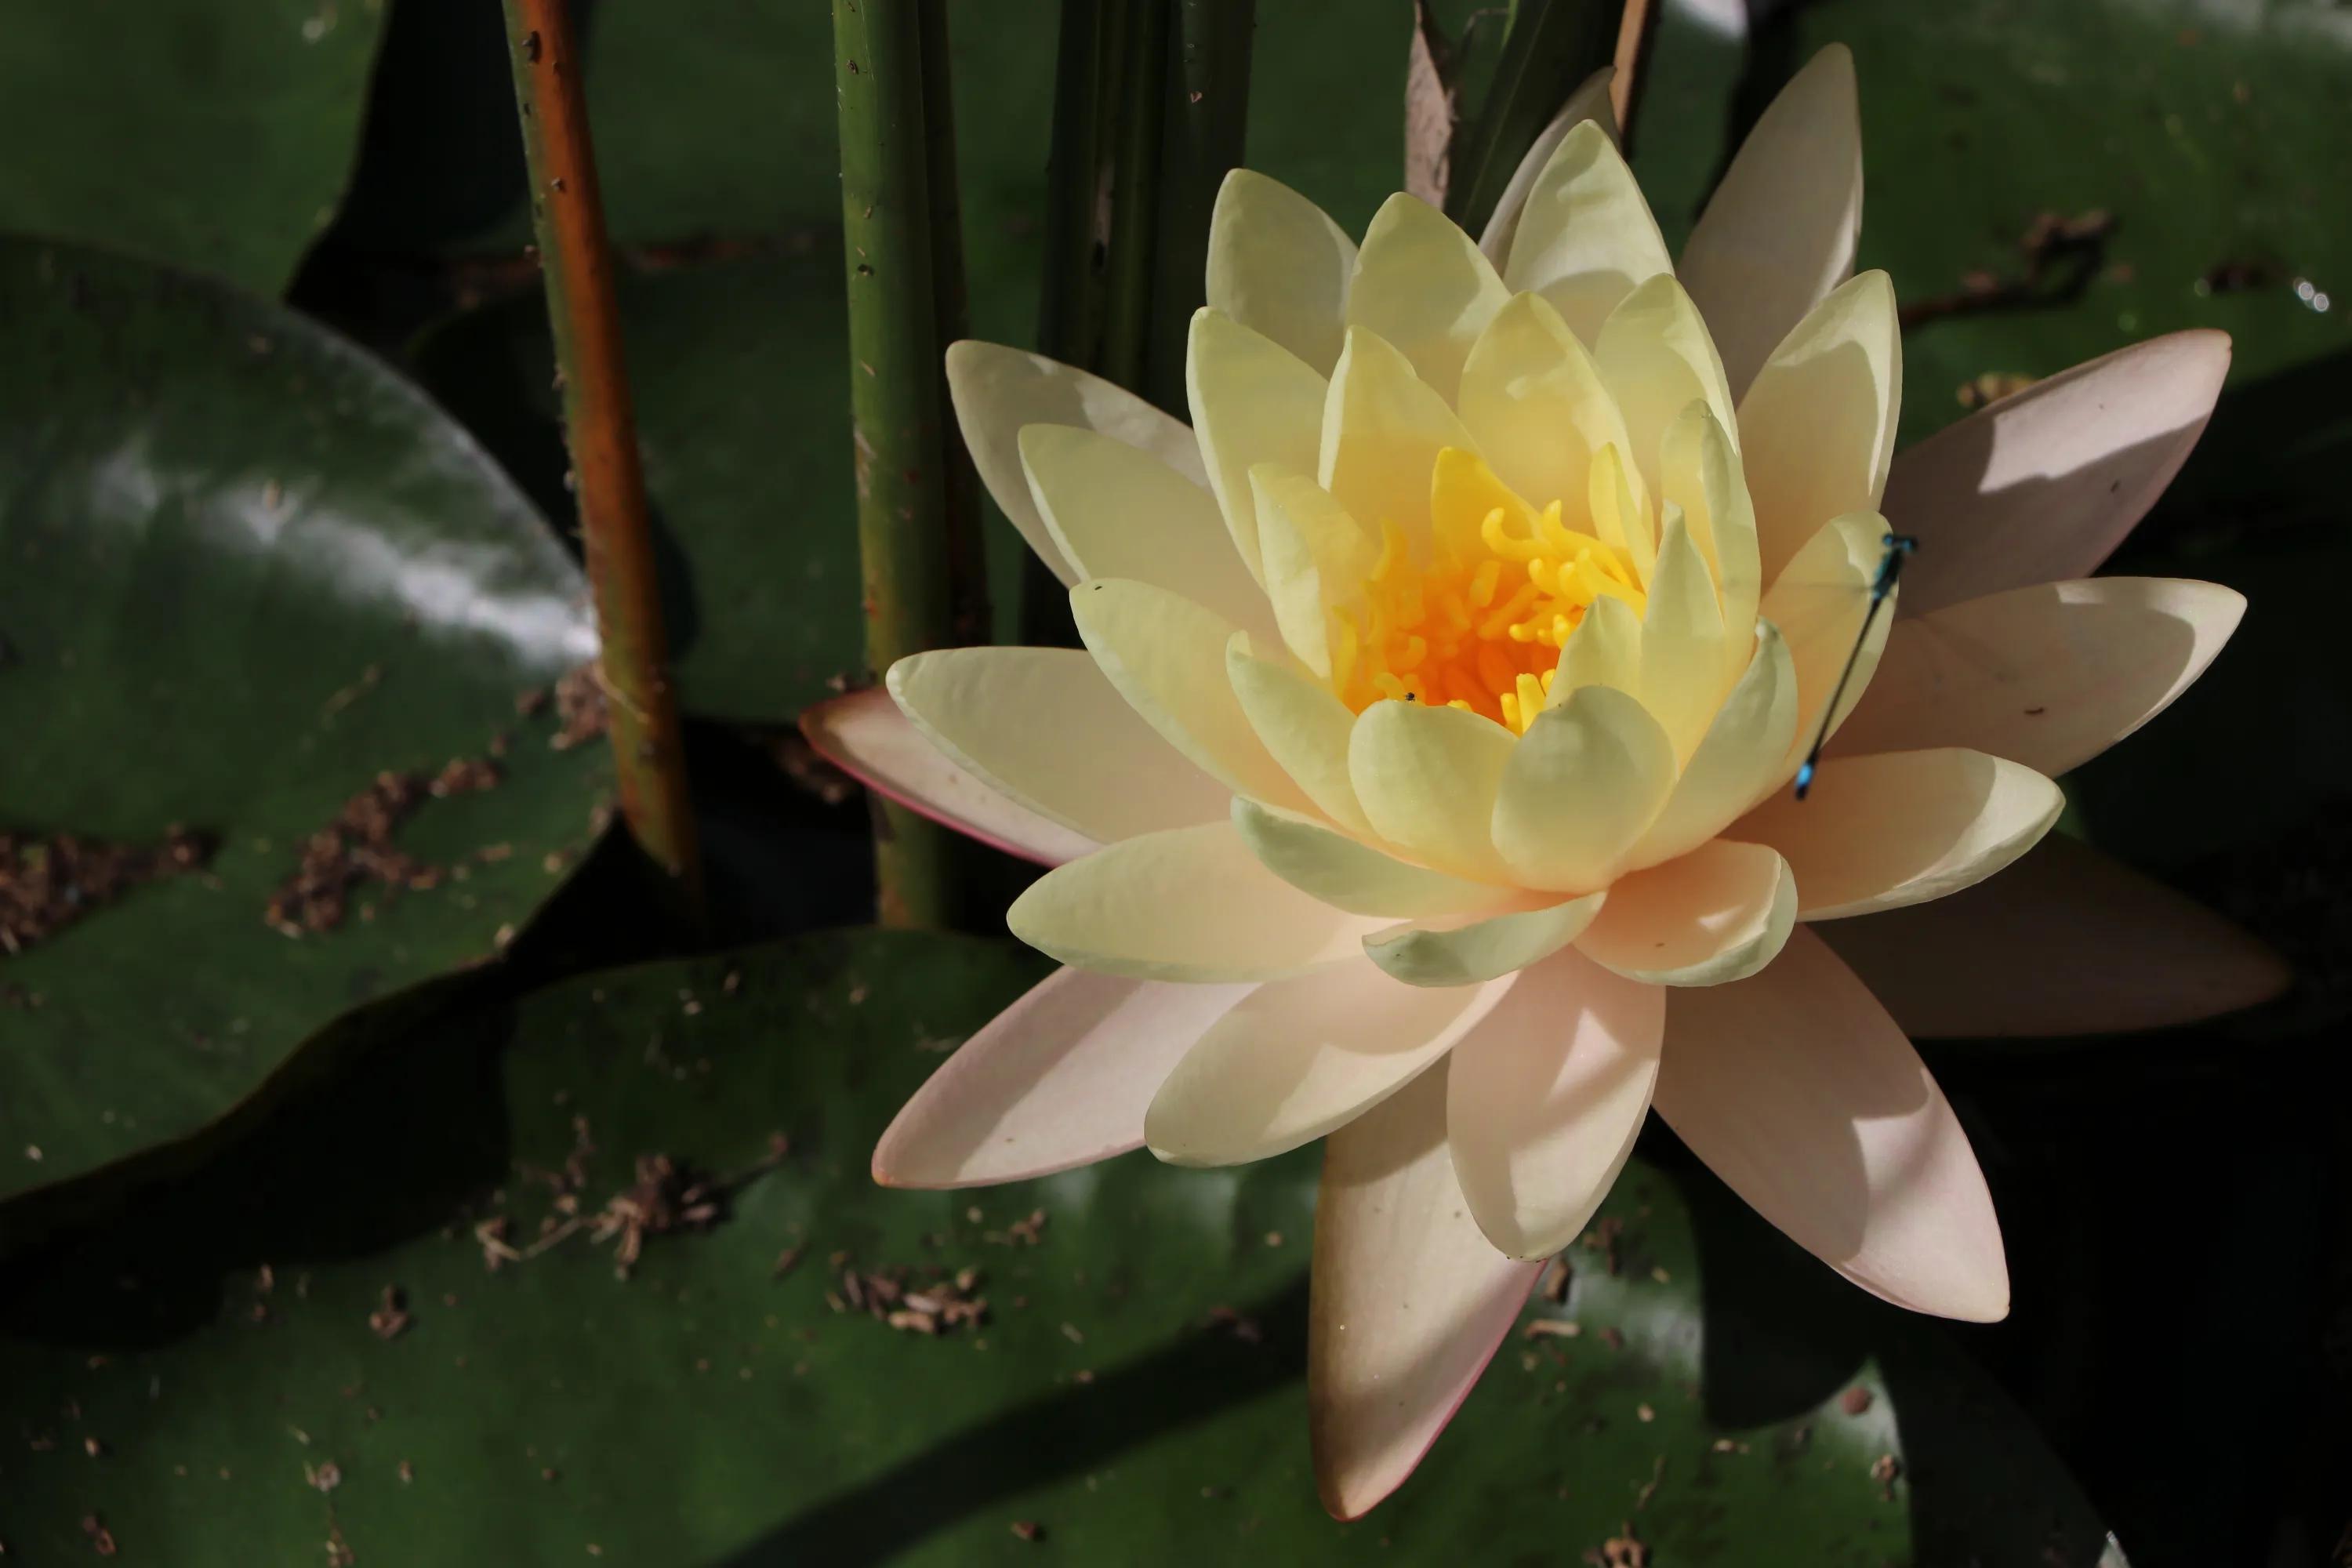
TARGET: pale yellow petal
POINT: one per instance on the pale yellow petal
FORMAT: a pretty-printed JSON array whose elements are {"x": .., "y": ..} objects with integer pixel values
[
  {"x": 1817, "y": 428},
  {"x": 1352, "y": 876},
  {"x": 1427, "y": 778},
  {"x": 1253, "y": 402},
  {"x": 1303, "y": 727},
  {"x": 1589, "y": 101},
  {"x": 1579, "y": 788},
  {"x": 1903, "y": 828},
  {"x": 1586, "y": 239},
  {"x": 1682, "y": 676},
  {"x": 1423, "y": 285},
  {"x": 1533, "y": 400},
  {"x": 1656, "y": 357},
  {"x": 1467, "y": 950},
  {"x": 1316, "y": 558},
  {"x": 1700, "y": 473},
  {"x": 1605, "y": 649},
  {"x": 1744, "y": 756},
  {"x": 1718, "y": 914},
  {"x": 1278, "y": 265},
  {"x": 1820, "y": 604},
  {"x": 1615, "y": 496},
  {"x": 1382, "y": 429}
]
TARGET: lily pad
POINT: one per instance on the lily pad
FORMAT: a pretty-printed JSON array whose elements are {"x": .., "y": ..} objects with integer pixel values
[
  {"x": 308, "y": 1340},
  {"x": 245, "y": 571},
  {"x": 217, "y": 137}
]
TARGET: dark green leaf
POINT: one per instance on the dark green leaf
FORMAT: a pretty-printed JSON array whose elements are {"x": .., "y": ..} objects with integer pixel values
[
  {"x": 1135, "y": 1389},
  {"x": 244, "y": 570}
]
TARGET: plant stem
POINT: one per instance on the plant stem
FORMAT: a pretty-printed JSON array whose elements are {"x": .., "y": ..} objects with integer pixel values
[
  {"x": 1137, "y": 104},
  {"x": 1207, "y": 125},
  {"x": 898, "y": 398},
  {"x": 952, "y": 320},
  {"x": 600, "y": 425},
  {"x": 1552, "y": 44},
  {"x": 1635, "y": 31}
]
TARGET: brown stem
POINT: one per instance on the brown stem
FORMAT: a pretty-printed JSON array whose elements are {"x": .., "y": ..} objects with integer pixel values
[
  {"x": 1635, "y": 32},
  {"x": 600, "y": 424}
]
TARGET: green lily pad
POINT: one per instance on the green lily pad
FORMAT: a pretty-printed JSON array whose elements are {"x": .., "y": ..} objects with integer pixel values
[
  {"x": 244, "y": 571},
  {"x": 306, "y": 1344},
  {"x": 217, "y": 137}
]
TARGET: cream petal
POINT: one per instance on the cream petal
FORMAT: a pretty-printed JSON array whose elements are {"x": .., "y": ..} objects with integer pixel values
[
  {"x": 1620, "y": 517},
  {"x": 1779, "y": 232},
  {"x": 1303, "y": 727},
  {"x": 1408, "y": 1301},
  {"x": 1316, "y": 558},
  {"x": 1589, "y": 101},
  {"x": 1427, "y": 778},
  {"x": 2041, "y": 486},
  {"x": 1382, "y": 429},
  {"x": 1299, "y": 1057},
  {"x": 1605, "y": 649},
  {"x": 1718, "y": 914},
  {"x": 1535, "y": 403},
  {"x": 1798, "y": 1089},
  {"x": 1656, "y": 357},
  {"x": 1902, "y": 828},
  {"x": 866, "y": 736},
  {"x": 1060, "y": 1079},
  {"x": 1817, "y": 427},
  {"x": 1579, "y": 788},
  {"x": 1166, "y": 656},
  {"x": 1426, "y": 288},
  {"x": 1116, "y": 511},
  {"x": 1744, "y": 754},
  {"x": 1041, "y": 726},
  {"x": 1192, "y": 904},
  {"x": 1466, "y": 950},
  {"x": 1278, "y": 265},
  {"x": 1683, "y": 674},
  {"x": 2067, "y": 941},
  {"x": 2048, "y": 675},
  {"x": 1699, "y": 472},
  {"x": 999, "y": 391},
  {"x": 1820, "y": 604},
  {"x": 1586, "y": 238},
  {"x": 1545, "y": 1096},
  {"x": 1253, "y": 402},
  {"x": 1351, "y": 876}
]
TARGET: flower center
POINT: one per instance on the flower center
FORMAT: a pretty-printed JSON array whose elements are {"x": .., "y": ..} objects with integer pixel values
[{"x": 1477, "y": 620}]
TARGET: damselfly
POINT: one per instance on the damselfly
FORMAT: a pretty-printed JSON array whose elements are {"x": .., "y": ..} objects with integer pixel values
[{"x": 1900, "y": 547}]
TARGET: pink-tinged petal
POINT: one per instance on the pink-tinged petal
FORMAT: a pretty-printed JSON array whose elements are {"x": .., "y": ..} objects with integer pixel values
[
  {"x": 2067, "y": 941},
  {"x": 1798, "y": 1089},
  {"x": 1060, "y": 1079},
  {"x": 866, "y": 736},
  {"x": 1717, "y": 914},
  {"x": 1545, "y": 1096},
  {"x": 2049, "y": 676},
  {"x": 1409, "y": 1302},
  {"x": 1296, "y": 1058},
  {"x": 2044, "y": 486}
]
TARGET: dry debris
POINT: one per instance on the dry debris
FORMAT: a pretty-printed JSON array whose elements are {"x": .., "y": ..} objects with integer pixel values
[
  {"x": 1854, "y": 1401},
  {"x": 940, "y": 1306},
  {"x": 357, "y": 846},
  {"x": 1602, "y": 1239},
  {"x": 667, "y": 1196},
  {"x": 2062, "y": 256},
  {"x": 580, "y": 714},
  {"x": 49, "y": 881},
  {"x": 391, "y": 1318},
  {"x": 1556, "y": 1279},
  {"x": 1623, "y": 1549}
]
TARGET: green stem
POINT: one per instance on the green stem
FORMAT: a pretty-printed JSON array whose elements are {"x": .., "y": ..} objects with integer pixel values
[
  {"x": 952, "y": 320},
  {"x": 897, "y": 398},
  {"x": 1137, "y": 104},
  {"x": 1207, "y": 124},
  {"x": 600, "y": 425}
]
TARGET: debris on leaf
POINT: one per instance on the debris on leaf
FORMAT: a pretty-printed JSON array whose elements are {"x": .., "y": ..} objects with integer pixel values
[
  {"x": 580, "y": 714},
  {"x": 1855, "y": 1400},
  {"x": 392, "y": 1318},
  {"x": 667, "y": 1196},
  {"x": 1623, "y": 1549},
  {"x": 49, "y": 881}
]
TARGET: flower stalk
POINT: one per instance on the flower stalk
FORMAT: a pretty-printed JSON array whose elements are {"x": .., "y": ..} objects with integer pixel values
[
  {"x": 600, "y": 426},
  {"x": 1203, "y": 136},
  {"x": 1635, "y": 32},
  {"x": 1552, "y": 44}
]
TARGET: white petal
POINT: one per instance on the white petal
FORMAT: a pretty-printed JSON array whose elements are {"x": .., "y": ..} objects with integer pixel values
[
  {"x": 1382, "y": 429},
  {"x": 1253, "y": 402},
  {"x": 1427, "y": 778},
  {"x": 1798, "y": 1089},
  {"x": 1587, "y": 237},
  {"x": 1059, "y": 1080},
  {"x": 1299, "y": 1057},
  {"x": 1421, "y": 285},
  {"x": 1654, "y": 354},
  {"x": 1278, "y": 265},
  {"x": 1579, "y": 788},
  {"x": 998, "y": 392},
  {"x": 1535, "y": 403},
  {"x": 1465, "y": 950},
  {"x": 1545, "y": 1096},
  {"x": 1700, "y": 473},
  {"x": 1351, "y": 876},
  {"x": 1316, "y": 558},
  {"x": 1589, "y": 101},
  {"x": 1409, "y": 1299},
  {"x": 1719, "y": 913}
]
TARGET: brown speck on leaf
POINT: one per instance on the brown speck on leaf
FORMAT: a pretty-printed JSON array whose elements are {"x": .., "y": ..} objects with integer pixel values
[
  {"x": 407, "y": 1471},
  {"x": 1552, "y": 1328},
  {"x": 1556, "y": 1282},
  {"x": 1246, "y": 1330},
  {"x": 49, "y": 881},
  {"x": 1613, "y": 1339},
  {"x": 1883, "y": 1469},
  {"x": 101, "y": 1540},
  {"x": 1028, "y": 1529},
  {"x": 391, "y": 1318},
  {"x": 786, "y": 1261},
  {"x": 323, "y": 1477},
  {"x": 93, "y": 1447},
  {"x": 580, "y": 711},
  {"x": 1854, "y": 1401},
  {"x": 1623, "y": 1549},
  {"x": 1274, "y": 1238}
]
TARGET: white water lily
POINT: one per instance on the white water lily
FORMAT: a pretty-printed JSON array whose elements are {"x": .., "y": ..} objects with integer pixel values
[{"x": 1422, "y": 785}]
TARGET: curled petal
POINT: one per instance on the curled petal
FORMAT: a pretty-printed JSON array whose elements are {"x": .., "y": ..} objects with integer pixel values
[{"x": 1466, "y": 950}]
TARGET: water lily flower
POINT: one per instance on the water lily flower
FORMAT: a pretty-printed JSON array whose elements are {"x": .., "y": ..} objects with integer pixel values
[{"x": 1422, "y": 785}]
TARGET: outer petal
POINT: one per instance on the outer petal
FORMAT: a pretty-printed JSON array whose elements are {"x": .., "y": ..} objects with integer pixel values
[
  {"x": 1191, "y": 904},
  {"x": 1059, "y": 1080},
  {"x": 1744, "y": 754},
  {"x": 1545, "y": 1096},
  {"x": 1116, "y": 511},
  {"x": 1427, "y": 779},
  {"x": 1382, "y": 429},
  {"x": 1422, "y": 284},
  {"x": 1464, "y": 950},
  {"x": 1535, "y": 403},
  {"x": 2083, "y": 944},
  {"x": 1299, "y": 1058},
  {"x": 2044, "y": 485},
  {"x": 1589, "y": 101},
  {"x": 1581, "y": 785},
  {"x": 1817, "y": 428},
  {"x": 1779, "y": 232},
  {"x": 1315, "y": 555},
  {"x": 998, "y": 392},
  {"x": 1044, "y": 727},
  {"x": 1820, "y": 604},
  {"x": 2049, "y": 676},
  {"x": 1253, "y": 402},
  {"x": 1798, "y": 1089},
  {"x": 866, "y": 736},
  {"x": 1718, "y": 914},
  {"x": 1303, "y": 727},
  {"x": 1409, "y": 1299},
  {"x": 1166, "y": 655},
  {"x": 1655, "y": 355},
  {"x": 1279, "y": 266},
  {"x": 1587, "y": 237},
  {"x": 1351, "y": 876},
  {"x": 1902, "y": 828}
]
